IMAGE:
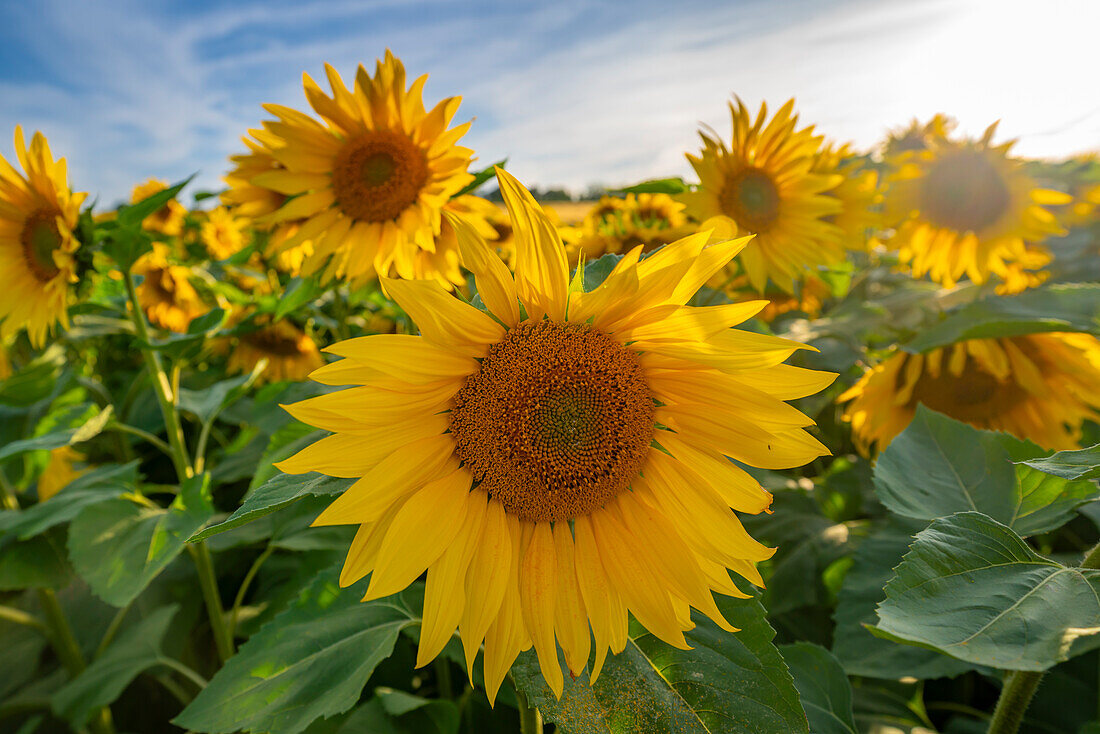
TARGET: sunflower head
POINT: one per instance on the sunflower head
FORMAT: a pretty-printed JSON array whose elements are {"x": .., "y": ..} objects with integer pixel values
[
  {"x": 165, "y": 293},
  {"x": 966, "y": 209},
  {"x": 763, "y": 181},
  {"x": 561, "y": 458},
  {"x": 616, "y": 225},
  {"x": 37, "y": 264},
  {"x": 59, "y": 471},
  {"x": 917, "y": 136},
  {"x": 168, "y": 220},
  {"x": 291, "y": 354},
  {"x": 1040, "y": 387},
  {"x": 858, "y": 193},
  {"x": 369, "y": 183},
  {"x": 223, "y": 233}
]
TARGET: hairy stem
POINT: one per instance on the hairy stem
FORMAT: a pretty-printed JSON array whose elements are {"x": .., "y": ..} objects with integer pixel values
[{"x": 1016, "y": 694}]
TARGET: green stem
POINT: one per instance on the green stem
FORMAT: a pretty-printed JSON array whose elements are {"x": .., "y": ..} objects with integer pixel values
[
  {"x": 144, "y": 435},
  {"x": 161, "y": 386},
  {"x": 248, "y": 577},
  {"x": 112, "y": 630},
  {"x": 1016, "y": 694},
  {"x": 68, "y": 650},
  {"x": 209, "y": 583},
  {"x": 530, "y": 720},
  {"x": 185, "y": 671},
  {"x": 443, "y": 677},
  {"x": 18, "y": 616}
]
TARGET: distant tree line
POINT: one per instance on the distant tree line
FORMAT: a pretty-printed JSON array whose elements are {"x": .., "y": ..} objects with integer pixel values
[{"x": 594, "y": 191}]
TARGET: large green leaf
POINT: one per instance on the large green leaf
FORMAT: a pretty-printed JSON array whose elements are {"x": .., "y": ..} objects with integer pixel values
[
  {"x": 93, "y": 423},
  {"x": 860, "y": 652},
  {"x": 729, "y": 683},
  {"x": 1080, "y": 464},
  {"x": 118, "y": 547},
  {"x": 274, "y": 494},
  {"x": 33, "y": 564},
  {"x": 102, "y": 483},
  {"x": 312, "y": 660},
  {"x": 938, "y": 466},
  {"x": 1066, "y": 307},
  {"x": 137, "y": 649},
  {"x": 824, "y": 688},
  {"x": 972, "y": 588}
]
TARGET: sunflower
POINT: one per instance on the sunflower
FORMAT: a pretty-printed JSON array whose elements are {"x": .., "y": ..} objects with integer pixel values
[
  {"x": 223, "y": 233},
  {"x": 1038, "y": 386},
  {"x": 441, "y": 263},
  {"x": 619, "y": 224},
  {"x": 809, "y": 297},
  {"x": 243, "y": 197},
  {"x": 168, "y": 220},
  {"x": 291, "y": 354},
  {"x": 917, "y": 136},
  {"x": 165, "y": 293},
  {"x": 560, "y": 459},
  {"x": 370, "y": 184},
  {"x": 966, "y": 209},
  {"x": 59, "y": 472},
  {"x": 37, "y": 246},
  {"x": 288, "y": 260},
  {"x": 763, "y": 182},
  {"x": 858, "y": 193}
]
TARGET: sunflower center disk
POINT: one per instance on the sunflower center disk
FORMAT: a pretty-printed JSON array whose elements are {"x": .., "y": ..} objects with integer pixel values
[
  {"x": 751, "y": 198},
  {"x": 378, "y": 175},
  {"x": 40, "y": 238},
  {"x": 556, "y": 422},
  {"x": 965, "y": 192}
]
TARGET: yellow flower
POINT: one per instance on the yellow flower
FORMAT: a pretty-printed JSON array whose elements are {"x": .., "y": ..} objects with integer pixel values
[
  {"x": 5, "y": 364},
  {"x": 966, "y": 209},
  {"x": 223, "y": 233},
  {"x": 370, "y": 184},
  {"x": 37, "y": 246},
  {"x": 556, "y": 467},
  {"x": 168, "y": 220},
  {"x": 1038, "y": 386},
  {"x": 166, "y": 294},
  {"x": 616, "y": 225},
  {"x": 917, "y": 136},
  {"x": 290, "y": 352},
  {"x": 245, "y": 198},
  {"x": 810, "y": 295},
  {"x": 763, "y": 181},
  {"x": 59, "y": 472},
  {"x": 288, "y": 259},
  {"x": 441, "y": 263},
  {"x": 858, "y": 193}
]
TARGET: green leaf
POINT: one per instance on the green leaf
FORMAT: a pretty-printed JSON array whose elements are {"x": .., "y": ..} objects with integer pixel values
[
  {"x": 137, "y": 649},
  {"x": 33, "y": 564},
  {"x": 205, "y": 404},
  {"x": 481, "y": 177},
  {"x": 103, "y": 482},
  {"x": 56, "y": 439},
  {"x": 135, "y": 214},
  {"x": 824, "y": 688},
  {"x": 1064, "y": 307},
  {"x": 276, "y": 493},
  {"x": 1080, "y": 464},
  {"x": 425, "y": 717},
  {"x": 33, "y": 382},
  {"x": 972, "y": 588},
  {"x": 596, "y": 271},
  {"x": 860, "y": 652},
  {"x": 284, "y": 443},
  {"x": 299, "y": 292},
  {"x": 938, "y": 466},
  {"x": 656, "y": 186},
  {"x": 118, "y": 547},
  {"x": 729, "y": 683},
  {"x": 312, "y": 660}
]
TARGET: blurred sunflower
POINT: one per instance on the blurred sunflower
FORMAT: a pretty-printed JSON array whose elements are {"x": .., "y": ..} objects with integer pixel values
[
  {"x": 441, "y": 263},
  {"x": 290, "y": 259},
  {"x": 59, "y": 471},
  {"x": 917, "y": 136},
  {"x": 1038, "y": 386},
  {"x": 764, "y": 182},
  {"x": 37, "y": 246},
  {"x": 556, "y": 467},
  {"x": 165, "y": 293},
  {"x": 243, "y": 197},
  {"x": 369, "y": 185},
  {"x": 223, "y": 233},
  {"x": 619, "y": 224},
  {"x": 168, "y": 220},
  {"x": 966, "y": 209},
  {"x": 810, "y": 295},
  {"x": 858, "y": 193},
  {"x": 291, "y": 354}
]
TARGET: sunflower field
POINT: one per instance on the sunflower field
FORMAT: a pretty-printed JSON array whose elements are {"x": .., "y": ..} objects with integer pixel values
[{"x": 371, "y": 440}]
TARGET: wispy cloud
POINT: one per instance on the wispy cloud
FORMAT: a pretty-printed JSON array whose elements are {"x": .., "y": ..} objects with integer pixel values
[{"x": 572, "y": 92}]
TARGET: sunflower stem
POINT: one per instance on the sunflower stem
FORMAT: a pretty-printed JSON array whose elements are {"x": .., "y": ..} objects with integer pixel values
[
  {"x": 209, "y": 583},
  {"x": 18, "y": 616},
  {"x": 68, "y": 651},
  {"x": 1016, "y": 694},
  {"x": 1092, "y": 558},
  {"x": 530, "y": 720},
  {"x": 235, "y": 613}
]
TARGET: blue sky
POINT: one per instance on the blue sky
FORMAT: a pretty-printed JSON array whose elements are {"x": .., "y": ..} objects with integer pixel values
[{"x": 573, "y": 92}]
